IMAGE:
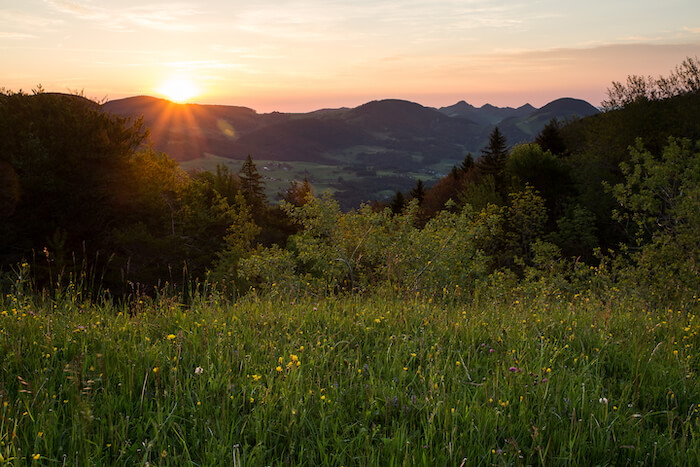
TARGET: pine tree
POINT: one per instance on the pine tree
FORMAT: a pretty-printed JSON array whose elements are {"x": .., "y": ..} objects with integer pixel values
[
  {"x": 418, "y": 192},
  {"x": 493, "y": 158},
  {"x": 252, "y": 186},
  {"x": 467, "y": 163}
]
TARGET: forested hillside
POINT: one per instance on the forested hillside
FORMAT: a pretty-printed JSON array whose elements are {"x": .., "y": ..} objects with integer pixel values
[
  {"x": 616, "y": 190},
  {"x": 361, "y": 154}
]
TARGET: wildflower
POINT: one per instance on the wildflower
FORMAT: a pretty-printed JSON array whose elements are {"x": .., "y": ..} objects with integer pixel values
[
  {"x": 36, "y": 456},
  {"x": 156, "y": 369},
  {"x": 279, "y": 369},
  {"x": 512, "y": 369},
  {"x": 256, "y": 377},
  {"x": 603, "y": 400},
  {"x": 199, "y": 370},
  {"x": 171, "y": 337}
]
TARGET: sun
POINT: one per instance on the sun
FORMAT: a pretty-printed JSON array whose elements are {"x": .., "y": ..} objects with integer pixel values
[{"x": 178, "y": 89}]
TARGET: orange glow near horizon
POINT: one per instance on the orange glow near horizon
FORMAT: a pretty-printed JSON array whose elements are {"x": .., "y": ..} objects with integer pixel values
[{"x": 179, "y": 89}]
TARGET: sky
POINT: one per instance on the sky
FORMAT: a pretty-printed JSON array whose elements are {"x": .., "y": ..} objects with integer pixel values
[{"x": 303, "y": 55}]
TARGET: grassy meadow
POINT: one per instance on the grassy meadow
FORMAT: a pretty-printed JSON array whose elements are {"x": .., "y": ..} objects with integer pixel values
[{"x": 529, "y": 379}]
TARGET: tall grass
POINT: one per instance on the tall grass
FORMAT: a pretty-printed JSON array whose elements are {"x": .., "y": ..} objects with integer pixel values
[{"x": 347, "y": 381}]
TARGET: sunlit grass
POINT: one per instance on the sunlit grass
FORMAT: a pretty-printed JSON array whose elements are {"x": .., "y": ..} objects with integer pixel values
[{"x": 348, "y": 381}]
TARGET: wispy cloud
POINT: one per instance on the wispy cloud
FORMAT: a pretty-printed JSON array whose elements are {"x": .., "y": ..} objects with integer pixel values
[
  {"x": 162, "y": 17},
  {"x": 415, "y": 20},
  {"x": 15, "y": 35}
]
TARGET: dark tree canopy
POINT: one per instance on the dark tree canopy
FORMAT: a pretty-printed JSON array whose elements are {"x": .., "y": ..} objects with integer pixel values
[
  {"x": 398, "y": 203},
  {"x": 550, "y": 139},
  {"x": 65, "y": 162}
]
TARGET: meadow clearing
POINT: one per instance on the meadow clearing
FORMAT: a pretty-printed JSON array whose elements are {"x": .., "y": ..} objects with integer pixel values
[{"x": 510, "y": 380}]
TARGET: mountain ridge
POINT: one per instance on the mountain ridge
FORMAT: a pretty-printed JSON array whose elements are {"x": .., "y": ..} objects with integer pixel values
[
  {"x": 188, "y": 131},
  {"x": 370, "y": 150}
]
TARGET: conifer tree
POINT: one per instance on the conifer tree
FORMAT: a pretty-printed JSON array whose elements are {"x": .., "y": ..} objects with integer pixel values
[
  {"x": 418, "y": 192},
  {"x": 493, "y": 158},
  {"x": 467, "y": 163},
  {"x": 252, "y": 186}
]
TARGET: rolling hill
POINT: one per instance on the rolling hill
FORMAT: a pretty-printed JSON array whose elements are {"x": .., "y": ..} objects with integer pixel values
[{"x": 376, "y": 148}]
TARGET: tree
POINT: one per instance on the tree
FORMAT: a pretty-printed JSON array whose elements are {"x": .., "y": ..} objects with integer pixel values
[
  {"x": 252, "y": 186},
  {"x": 418, "y": 192},
  {"x": 398, "y": 203},
  {"x": 66, "y": 164},
  {"x": 659, "y": 202},
  {"x": 226, "y": 183},
  {"x": 493, "y": 158},
  {"x": 298, "y": 192},
  {"x": 685, "y": 79},
  {"x": 467, "y": 163},
  {"x": 549, "y": 139},
  {"x": 529, "y": 164}
]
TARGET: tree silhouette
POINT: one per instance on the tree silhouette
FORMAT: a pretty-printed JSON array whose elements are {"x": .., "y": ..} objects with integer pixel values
[
  {"x": 493, "y": 158},
  {"x": 398, "y": 203},
  {"x": 418, "y": 192},
  {"x": 252, "y": 186},
  {"x": 550, "y": 139}
]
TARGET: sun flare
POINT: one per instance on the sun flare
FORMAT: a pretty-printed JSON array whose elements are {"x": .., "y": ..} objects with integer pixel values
[{"x": 179, "y": 89}]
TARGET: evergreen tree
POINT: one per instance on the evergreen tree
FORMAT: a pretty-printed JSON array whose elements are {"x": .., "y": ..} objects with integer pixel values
[
  {"x": 252, "y": 186},
  {"x": 418, "y": 192},
  {"x": 493, "y": 158},
  {"x": 467, "y": 163}
]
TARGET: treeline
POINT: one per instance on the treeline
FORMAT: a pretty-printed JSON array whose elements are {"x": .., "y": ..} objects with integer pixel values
[{"x": 608, "y": 199}]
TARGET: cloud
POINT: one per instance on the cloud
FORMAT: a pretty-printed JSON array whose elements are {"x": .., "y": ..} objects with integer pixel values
[
  {"x": 16, "y": 35},
  {"x": 162, "y": 17}
]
